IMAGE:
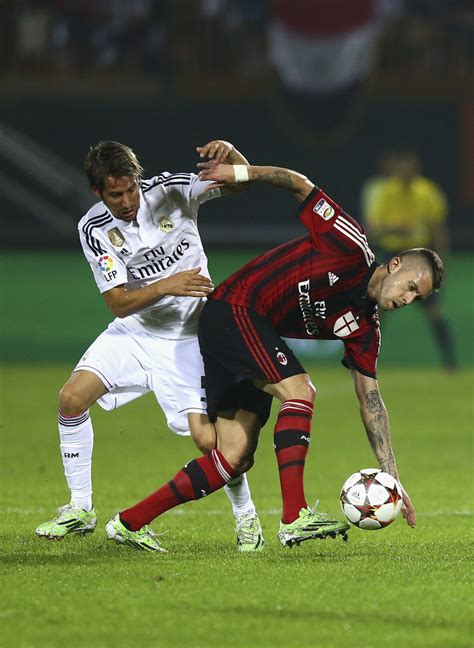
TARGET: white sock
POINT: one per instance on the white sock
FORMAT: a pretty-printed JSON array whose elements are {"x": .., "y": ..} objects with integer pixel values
[
  {"x": 238, "y": 492},
  {"x": 77, "y": 440}
]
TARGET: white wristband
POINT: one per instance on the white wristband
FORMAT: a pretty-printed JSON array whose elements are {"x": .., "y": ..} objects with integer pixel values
[{"x": 241, "y": 172}]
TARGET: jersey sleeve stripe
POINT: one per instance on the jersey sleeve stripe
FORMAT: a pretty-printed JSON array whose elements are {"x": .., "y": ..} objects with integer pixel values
[
  {"x": 92, "y": 242},
  {"x": 175, "y": 182},
  {"x": 150, "y": 185},
  {"x": 351, "y": 223},
  {"x": 359, "y": 234},
  {"x": 352, "y": 238},
  {"x": 346, "y": 228},
  {"x": 351, "y": 228},
  {"x": 175, "y": 178}
]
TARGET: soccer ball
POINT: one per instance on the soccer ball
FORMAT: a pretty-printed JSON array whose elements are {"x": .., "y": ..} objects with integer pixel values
[{"x": 371, "y": 499}]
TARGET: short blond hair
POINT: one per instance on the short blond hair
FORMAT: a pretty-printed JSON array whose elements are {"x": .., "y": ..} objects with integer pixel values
[{"x": 431, "y": 260}]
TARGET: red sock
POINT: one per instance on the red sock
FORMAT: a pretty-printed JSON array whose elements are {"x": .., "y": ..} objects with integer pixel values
[
  {"x": 198, "y": 478},
  {"x": 292, "y": 436}
]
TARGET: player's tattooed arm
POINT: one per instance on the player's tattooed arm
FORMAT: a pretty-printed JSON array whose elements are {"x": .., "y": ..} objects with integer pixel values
[
  {"x": 291, "y": 181},
  {"x": 375, "y": 418}
]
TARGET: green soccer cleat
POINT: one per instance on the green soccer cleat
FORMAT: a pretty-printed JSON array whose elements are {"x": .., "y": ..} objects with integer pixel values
[
  {"x": 310, "y": 525},
  {"x": 144, "y": 539},
  {"x": 70, "y": 519},
  {"x": 249, "y": 533}
]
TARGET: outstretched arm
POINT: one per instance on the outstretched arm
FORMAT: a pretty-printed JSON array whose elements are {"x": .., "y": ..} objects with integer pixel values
[
  {"x": 223, "y": 174},
  {"x": 375, "y": 419}
]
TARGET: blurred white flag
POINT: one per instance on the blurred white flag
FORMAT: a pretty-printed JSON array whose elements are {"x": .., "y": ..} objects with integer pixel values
[{"x": 324, "y": 46}]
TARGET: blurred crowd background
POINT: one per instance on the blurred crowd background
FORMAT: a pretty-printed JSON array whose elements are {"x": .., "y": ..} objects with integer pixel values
[
  {"x": 163, "y": 39},
  {"x": 331, "y": 88}
]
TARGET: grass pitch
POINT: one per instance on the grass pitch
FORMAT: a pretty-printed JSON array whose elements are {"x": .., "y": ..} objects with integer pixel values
[{"x": 391, "y": 588}]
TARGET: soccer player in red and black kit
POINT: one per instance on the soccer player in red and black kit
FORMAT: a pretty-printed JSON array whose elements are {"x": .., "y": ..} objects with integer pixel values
[{"x": 326, "y": 285}]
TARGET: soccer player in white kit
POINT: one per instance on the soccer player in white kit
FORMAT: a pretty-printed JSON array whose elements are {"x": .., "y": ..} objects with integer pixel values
[{"x": 143, "y": 245}]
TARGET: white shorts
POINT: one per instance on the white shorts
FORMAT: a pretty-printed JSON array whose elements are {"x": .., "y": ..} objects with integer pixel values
[{"x": 131, "y": 364}]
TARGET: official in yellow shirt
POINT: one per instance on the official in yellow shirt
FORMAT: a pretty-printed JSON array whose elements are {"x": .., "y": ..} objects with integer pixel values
[
  {"x": 407, "y": 210},
  {"x": 402, "y": 209}
]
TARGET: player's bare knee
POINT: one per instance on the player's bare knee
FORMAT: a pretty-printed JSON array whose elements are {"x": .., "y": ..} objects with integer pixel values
[
  {"x": 305, "y": 389},
  {"x": 296, "y": 387},
  {"x": 245, "y": 464},
  {"x": 240, "y": 463},
  {"x": 70, "y": 402},
  {"x": 311, "y": 391}
]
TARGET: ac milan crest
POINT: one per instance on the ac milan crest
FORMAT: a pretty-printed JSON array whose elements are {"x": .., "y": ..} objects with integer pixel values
[{"x": 345, "y": 325}]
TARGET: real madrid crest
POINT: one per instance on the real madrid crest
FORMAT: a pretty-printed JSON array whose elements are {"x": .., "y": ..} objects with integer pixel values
[
  {"x": 166, "y": 225},
  {"x": 116, "y": 237}
]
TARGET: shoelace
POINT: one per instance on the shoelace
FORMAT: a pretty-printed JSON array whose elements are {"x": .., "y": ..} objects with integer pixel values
[
  {"x": 64, "y": 510},
  {"x": 244, "y": 522},
  {"x": 148, "y": 531},
  {"x": 321, "y": 516},
  {"x": 70, "y": 507}
]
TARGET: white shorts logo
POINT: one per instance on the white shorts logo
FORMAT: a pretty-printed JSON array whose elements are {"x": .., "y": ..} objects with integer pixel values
[
  {"x": 324, "y": 209},
  {"x": 345, "y": 325}
]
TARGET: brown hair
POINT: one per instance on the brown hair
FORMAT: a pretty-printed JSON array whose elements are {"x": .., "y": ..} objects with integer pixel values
[
  {"x": 431, "y": 259},
  {"x": 110, "y": 158}
]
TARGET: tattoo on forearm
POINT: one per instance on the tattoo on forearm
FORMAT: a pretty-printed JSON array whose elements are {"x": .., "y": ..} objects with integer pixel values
[
  {"x": 280, "y": 178},
  {"x": 378, "y": 431},
  {"x": 373, "y": 401}
]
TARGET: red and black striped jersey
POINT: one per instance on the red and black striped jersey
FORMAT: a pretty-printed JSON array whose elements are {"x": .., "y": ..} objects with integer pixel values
[{"x": 314, "y": 287}]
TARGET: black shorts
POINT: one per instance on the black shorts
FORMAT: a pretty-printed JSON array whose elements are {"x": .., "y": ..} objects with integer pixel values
[{"x": 239, "y": 346}]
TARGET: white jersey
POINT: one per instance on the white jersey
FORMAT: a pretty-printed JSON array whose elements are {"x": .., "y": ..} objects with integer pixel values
[{"x": 163, "y": 240}]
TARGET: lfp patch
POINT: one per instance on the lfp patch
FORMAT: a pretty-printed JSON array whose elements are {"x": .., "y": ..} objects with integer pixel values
[
  {"x": 324, "y": 209},
  {"x": 106, "y": 263}
]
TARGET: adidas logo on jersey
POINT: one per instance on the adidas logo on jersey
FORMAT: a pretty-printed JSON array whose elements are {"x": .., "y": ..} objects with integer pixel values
[{"x": 332, "y": 278}]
